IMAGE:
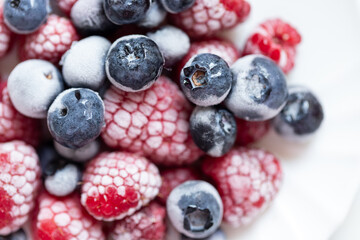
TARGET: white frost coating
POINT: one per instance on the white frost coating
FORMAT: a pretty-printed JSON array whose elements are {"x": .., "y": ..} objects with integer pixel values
[
  {"x": 173, "y": 43},
  {"x": 33, "y": 85},
  {"x": 84, "y": 63},
  {"x": 63, "y": 182},
  {"x": 154, "y": 16},
  {"x": 82, "y": 154},
  {"x": 239, "y": 100}
]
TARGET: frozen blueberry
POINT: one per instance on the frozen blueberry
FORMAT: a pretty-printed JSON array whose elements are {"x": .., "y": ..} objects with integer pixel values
[
  {"x": 33, "y": 85},
  {"x": 18, "y": 235},
  {"x": 302, "y": 115},
  {"x": 134, "y": 63},
  {"x": 218, "y": 235},
  {"x": 126, "y": 11},
  {"x": 25, "y": 16},
  {"x": 84, "y": 63},
  {"x": 213, "y": 130},
  {"x": 195, "y": 209},
  {"x": 63, "y": 181},
  {"x": 177, "y": 6},
  {"x": 47, "y": 157},
  {"x": 173, "y": 43},
  {"x": 76, "y": 117},
  {"x": 89, "y": 18},
  {"x": 206, "y": 79},
  {"x": 82, "y": 154},
  {"x": 154, "y": 16},
  {"x": 259, "y": 90}
]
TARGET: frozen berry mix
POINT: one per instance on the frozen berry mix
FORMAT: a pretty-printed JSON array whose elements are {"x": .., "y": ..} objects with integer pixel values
[{"x": 131, "y": 119}]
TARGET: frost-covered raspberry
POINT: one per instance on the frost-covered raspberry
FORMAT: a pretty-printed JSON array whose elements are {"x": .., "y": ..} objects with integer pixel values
[
  {"x": 250, "y": 132},
  {"x": 5, "y": 34},
  {"x": 148, "y": 223},
  {"x": 117, "y": 184},
  {"x": 154, "y": 123},
  {"x": 14, "y": 125},
  {"x": 19, "y": 183},
  {"x": 64, "y": 219},
  {"x": 247, "y": 180},
  {"x": 50, "y": 42}
]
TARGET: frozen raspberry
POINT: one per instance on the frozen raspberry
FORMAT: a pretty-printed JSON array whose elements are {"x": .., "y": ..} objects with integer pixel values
[
  {"x": 172, "y": 178},
  {"x": 66, "y": 5},
  {"x": 148, "y": 223},
  {"x": 5, "y": 34},
  {"x": 64, "y": 219},
  {"x": 154, "y": 123},
  {"x": 277, "y": 40},
  {"x": 117, "y": 184},
  {"x": 19, "y": 183},
  {"x": 14, "y": 125},
  {"x": 208, "y": 17},
  {"x": 247, "y": 180},
  {"x": 250, "y": 132},
  {"x": 50, "y": 42}
]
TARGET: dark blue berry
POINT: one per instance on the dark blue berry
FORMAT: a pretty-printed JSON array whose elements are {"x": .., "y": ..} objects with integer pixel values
[
  {"x": 50, "y": 160},
  {"x": 206, "y": 79},
  {"x": 76, "y": 117},
  {"x": 259, "y": 90},
  {"x": 301, "y": 116},
  {"x": 218, "y": 235},
  {"x": 18, "y": 235},
  {"x": 126, "y": 11},
  {"x": 134, "y": 63},
  {"x": 177, "y": 6},
  {"x": 195, "y": 209},
  {"x": 25, "y": 16},
  {"x": 213, "y": 130}
]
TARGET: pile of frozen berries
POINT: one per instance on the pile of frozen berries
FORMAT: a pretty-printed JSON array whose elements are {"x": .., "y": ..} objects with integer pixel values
[{"x": 149, "y": 118}]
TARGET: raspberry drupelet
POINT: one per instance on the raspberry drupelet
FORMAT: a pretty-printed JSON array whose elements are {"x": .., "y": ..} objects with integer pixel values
[{"x": 154, "y": 123}]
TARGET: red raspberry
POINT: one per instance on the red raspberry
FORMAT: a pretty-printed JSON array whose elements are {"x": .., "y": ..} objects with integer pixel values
[
  {"x": 50, "y": 42},
  {"x": 5, "y": 34},
  {"x": 148, "y": 223},
  {"x": 250, "y": 132},
  {"x": 208, "y": 17},
  {"x": 277, "y": 40},
  {"x": 66, "y": 5},
  {"x": 154, "y": 123},
  {"x": 117, "y": 184},
  {"x": 64, "y": 219},
  {"x": 171, "y": 178},
  {"x": 14, "y": 125},
  {"x": 19, "y": 183},
  {"x": 247, "y": 180}
]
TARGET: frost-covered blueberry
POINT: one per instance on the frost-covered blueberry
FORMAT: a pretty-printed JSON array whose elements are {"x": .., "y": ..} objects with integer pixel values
[
  {"x": 259, "y": 90},
  {"x": 173, "y": 43},
  {"x": 126, "y": 11},
  {"x": 134, "y": 63},
  {"x": 33, "y": 85},
  {"x": 177, "y": 6},
  {"x": 63, "y": 181},
  {"x": 206, "y": 79},
  {"x": 25, "y": 16},
  {"x": 18, "y": 235},
  {"x": 302, "y": 115},
  {"x": 195, "y": 209},
  {"x": 213, "y": 130},
  {"x": 84, "y": 63},
  {"x": 218, "y": 235},
  {"x": 82, "y": 154},
  {"x": 154, "y": 16},
  {"x": 76, "y": 117},
  {"x": 89, "y": 18}
]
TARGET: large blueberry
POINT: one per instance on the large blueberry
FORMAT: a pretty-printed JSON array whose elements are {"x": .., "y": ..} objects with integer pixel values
[
  {"x": 76, "y": 117},
  {"x": 259, "y": 90},
  {"x": 213, "y": 130},
  {"x": 126, "y": 11},
  {"x": 25, "y": 16},
  {"x": 134, "y": 63},
  {"x": 301, "y": 116},
  {"x": 177, "y": 6},
  {"x": 195, "y": 209},
  {"x": 206, "y": 79}
]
